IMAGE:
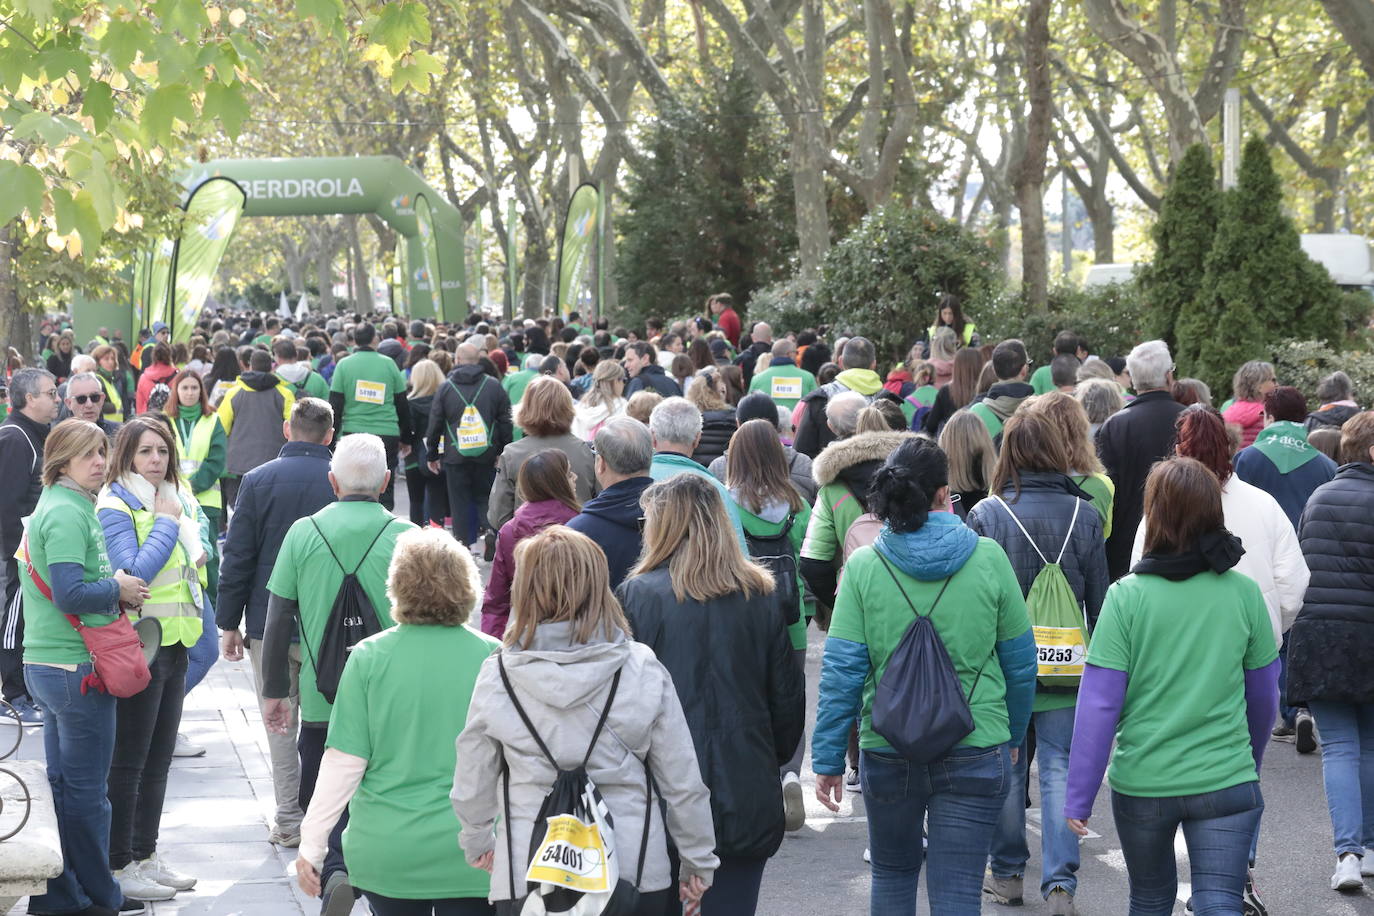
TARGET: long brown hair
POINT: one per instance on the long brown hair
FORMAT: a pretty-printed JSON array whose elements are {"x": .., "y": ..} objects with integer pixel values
[
  {"x": 546, "y": 475},
  {"x": 1182, "y": 503},
  {"x": 126, "y": 446},
  {"x": 1066, "y": 413},
  {"x": 756, "y": 468},
  {"x": 963, "y": 383},
  {"x": 561, "y": 575},
  {"x": 172, "y": 407},
  {"x": 1030, "y": 442},
  {"x": 971, "y": 453},
  {"x": 686, "y": 527}
]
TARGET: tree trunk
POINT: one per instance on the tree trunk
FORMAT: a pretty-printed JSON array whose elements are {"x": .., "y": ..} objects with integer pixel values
[
  {"x": 324, "y": 267},
  {"x": 362, "y": 277},
  {"x": 16, "y": 325},
  {"x": 1030, "y": 173},
  {"x": 1102, "y": 214},
  {"x": 1355, "y": 20},
  {"x": 808, "y": 188},
  {"x": 537, "y": 268}
]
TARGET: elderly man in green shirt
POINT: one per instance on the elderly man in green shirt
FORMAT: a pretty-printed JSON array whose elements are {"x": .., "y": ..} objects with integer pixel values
[
  {"x": 357, "y": 536},
  {"x": 368, "y": 394}
]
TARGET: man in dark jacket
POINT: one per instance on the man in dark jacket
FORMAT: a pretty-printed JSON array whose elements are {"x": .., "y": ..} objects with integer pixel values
[
  {"x": 1132, "y": 440},
  {"x": 33, "y": 405},
  {"x": 271, "y": 499},
  {"x": 859, "y": 361},
  {"x": 252, "y": 413},
  {"x": 645, "y": 373},
  {"x": 761, "y": 342},
  {"x": 468, "y": 450},
  {"x": 1010, "y": 364},
  {"x": 613, "y": 518}
]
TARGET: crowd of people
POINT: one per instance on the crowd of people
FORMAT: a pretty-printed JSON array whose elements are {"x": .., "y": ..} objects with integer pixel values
[{"x": 1089, "y": 566}]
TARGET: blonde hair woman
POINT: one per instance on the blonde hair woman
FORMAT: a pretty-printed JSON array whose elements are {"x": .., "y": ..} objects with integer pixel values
[
  {"x": 401, "y": 703},
  {"x": 1085, "y": 468},
  {"x": 604, "y": 400},
  {"x": 709, "y": 392},
  {"x": 971, "y": 454},
  {"x": 711, "y": 617},
  {"x": 428, "y": 492},
  {"x": 567, "y": 648},
  {"x": 546, "y": 414}
]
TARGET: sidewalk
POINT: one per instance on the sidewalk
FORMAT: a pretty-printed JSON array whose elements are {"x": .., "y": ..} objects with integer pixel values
[{"x": 218, "y": 808}]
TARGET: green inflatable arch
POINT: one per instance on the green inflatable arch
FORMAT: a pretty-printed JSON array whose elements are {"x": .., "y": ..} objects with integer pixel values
[{"x": 432, "y": 256}]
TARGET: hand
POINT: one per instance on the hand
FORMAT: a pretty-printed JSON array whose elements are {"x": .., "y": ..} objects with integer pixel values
[
  {"x": 404, "y": 451},
  {"x": 164, "y": 506},
  {"x": 690, "y": 893},
  {"x": 307, "y": 877},
  {"x": 204, "y": 558},
  {"x": 433, "y": 468},
  {"x": 485, "y": 861},
  {"x": 828, "y": 787},
  {"x": 133, "y": 591},
  {"x": 1079, "y": 827},
  {"x": 1015, "y": 754},
  {"x": 231, "y": 645},
  {"x": 276, "y": 715}
]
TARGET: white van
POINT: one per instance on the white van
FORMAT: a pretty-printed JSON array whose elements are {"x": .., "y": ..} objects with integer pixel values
[{"x": 1345, "y": 256}]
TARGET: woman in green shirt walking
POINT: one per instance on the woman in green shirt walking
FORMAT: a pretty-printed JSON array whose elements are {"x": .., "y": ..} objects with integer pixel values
[{"x": 67, "y": 571}]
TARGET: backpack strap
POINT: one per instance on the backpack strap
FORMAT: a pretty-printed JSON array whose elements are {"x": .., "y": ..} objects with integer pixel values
[
  {"x": 375, "y": 539},
  {"x": 1043, "y": 559},
  {"x": 524, "y": 717},
  {"x": 505, "y": 799},
  {"x": 1073, "y": 522},
  {"x": 649, "y": 789},
  {"x": 897, "y": 583}
]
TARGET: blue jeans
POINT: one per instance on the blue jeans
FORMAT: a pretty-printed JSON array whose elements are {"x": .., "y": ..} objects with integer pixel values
[
  {"x": 963, "y": 793},
  {"x": 1217, "y": 826},
  {"x": 200, "y": 658},
  {"x": 469, "y": 491},
  {"x": 1288, "y": 713},
  {"x": 78, "y": 738},
  {"x": 1348, "y": 771},
  {"x": 1058, "y": 844}
]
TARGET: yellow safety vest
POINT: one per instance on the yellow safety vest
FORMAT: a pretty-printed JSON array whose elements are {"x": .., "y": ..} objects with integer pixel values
[
  {"x": 112, "y": 398},
  {"x": 191, "y": 457},
  {"x": 175, "y": 594},
  {"x": 969, "y": 328}
]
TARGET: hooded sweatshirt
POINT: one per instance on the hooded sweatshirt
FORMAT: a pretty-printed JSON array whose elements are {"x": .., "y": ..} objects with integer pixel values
[
  {"x": 251, "y": 413},
  {"x": 529, "y": 519},
  {"x": 981, "y": 617},
  {"x": 612, "y": 519}
]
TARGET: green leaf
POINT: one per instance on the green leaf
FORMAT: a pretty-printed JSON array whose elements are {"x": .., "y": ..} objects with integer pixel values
[
  {"x": 42, "y": 124},
  {"x": 40, "y": 10},
  {"x": 63, "y": 210},
  {"x": 88, "y": 222},
  {"x": 325, "y": 13},
  {"x": 174, "y": 59},
  {"x": 57, "y": 64},
  {"x": 15, "y": 61},
  {"x": 98, "y": 104},
  {"x": 162, "y": 106},
  {"x": 123, "y": 40},
  {"x": 415, "y": 70},
  {"x": 399, "y": 24},
  {"x": 23, "y": 190},
  {"x": 185, "y": 16},
  {"x": 227, "y": 104}
]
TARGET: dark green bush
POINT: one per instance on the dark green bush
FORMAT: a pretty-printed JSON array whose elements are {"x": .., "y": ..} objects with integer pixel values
[{"x": 1110, "y": 319}]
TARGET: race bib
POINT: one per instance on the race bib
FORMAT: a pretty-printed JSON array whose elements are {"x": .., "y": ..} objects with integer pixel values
[
  {"x": 1060, "y": 651},
  {"x": 786, "y": 387},
  {"x": 572, "y": 855},
  {"x": 369, "y": 392},
  {"x": 472, "y": 432}
]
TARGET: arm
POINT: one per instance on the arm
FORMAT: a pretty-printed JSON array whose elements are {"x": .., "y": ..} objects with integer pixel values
[
  {"x": 282, "y": 614},
  {"x": 844, "y": 669},
  {"x": 398, "y": 401},
  {"x": 240, "y": 560},
  {"x": 1018, "y": 661},
  {"x": 212, "y": 468},
  {"x": 1291, "y": 574},
  {"x": 786, "y": 692},
  {"x": 505, "y": 429},
  {"x": 1093, "y": 561},
  {"x": 435, "y": 430},
  {"x": 339, "y": 777},
  {"x": 142, "y": 560},
  {"x": 496, "y": 603},
  {"x": 1261, "y": 706},
  {"x": 688, "y": 809},
  {"x": 1101, "y": 696},
  {"x": 226, "y": 411},
  {"x": 502, "y": 499},
  {"x": 476, "y": 794},
  {"x": 336, "y": 401},
  {"x": 74, "y": 596}
]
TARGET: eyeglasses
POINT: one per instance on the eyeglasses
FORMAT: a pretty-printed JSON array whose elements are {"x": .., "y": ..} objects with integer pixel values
[{"x": 88, "y": 398}]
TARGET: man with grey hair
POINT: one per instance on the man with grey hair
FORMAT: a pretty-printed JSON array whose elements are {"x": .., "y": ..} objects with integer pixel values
[
  {"x": 33, "y": 405},
  {"x": 842, "y": 413},
  {"x": 676, "y": 428},
  {"x": 1132, "y": 440},
  {"x": 85, "y": 400},
  {"x": 354, "y": 536},
  {"x": 613, "y": 518},
  {"x": 859, "y": 361}
]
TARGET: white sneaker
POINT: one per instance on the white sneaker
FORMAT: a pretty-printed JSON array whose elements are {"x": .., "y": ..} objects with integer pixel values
[
  {"x": 185, "y": 748},
  {"x": 137, "y": 886},
  {"x": 157, "y": 870},
  {"x": 1347, "y": 876},
  {"x": 1367, "y": 863},
  {"x": 793, "y": 803}
]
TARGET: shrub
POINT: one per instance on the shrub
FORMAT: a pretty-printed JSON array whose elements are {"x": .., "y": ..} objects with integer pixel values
[
  {"x": 787, "y": 306},
  {"x": 1111, "y": 319},
  {"x": 1303, "y": 363}
]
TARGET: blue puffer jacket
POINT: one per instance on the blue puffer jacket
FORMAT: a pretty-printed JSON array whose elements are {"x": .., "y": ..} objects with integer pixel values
[
  {"x": 613, "y": 519},
  {"x": 1045, "y": 508}
]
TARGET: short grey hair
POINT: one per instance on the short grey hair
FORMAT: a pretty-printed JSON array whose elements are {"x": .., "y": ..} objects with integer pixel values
[
  {"x": 626, "y": 446},
  {"x": 82, "y": 362},
  {"x": 1245, "y": 384},
  {"x": 858, "y": 353},
  {"x": 1094, "y": 367},
  {"x": 1335, "y": 387},
  {"x": 359, "y": 464},
  {"x": 675, "y": 420},
  {"x": 533, "y": 362},
  {"x": 1149, "y": 364},
  {"x": 25, "y": 383},
  {"x": 1100, "y": 398},
  {"x": 842, "y": 412},
  {"x": 84, "y": 377}
]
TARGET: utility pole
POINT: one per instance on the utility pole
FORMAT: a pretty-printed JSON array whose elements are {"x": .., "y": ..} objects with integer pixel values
[{"x": 1230, "y": 139}]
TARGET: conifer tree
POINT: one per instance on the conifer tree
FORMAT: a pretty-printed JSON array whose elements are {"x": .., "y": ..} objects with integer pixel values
[{"x": 1183, "y": 235}]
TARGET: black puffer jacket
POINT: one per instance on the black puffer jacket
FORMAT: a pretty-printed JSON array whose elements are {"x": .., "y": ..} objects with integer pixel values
[
  {"x": 1331, "y": 644},
  {"x": 1045, "y": 508},
  {"x": 446, "y": 413},
  {"x": 731, "y": 662},
  {"x": 717, "y": 427}
]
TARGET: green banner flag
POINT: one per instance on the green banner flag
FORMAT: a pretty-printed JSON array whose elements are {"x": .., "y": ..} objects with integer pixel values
[
  {"x": 429, "y": 277},
  {"x": 576, "y": 251},
  {"x": 152, "y": 279},
  {"x": 212, "y": 212}
]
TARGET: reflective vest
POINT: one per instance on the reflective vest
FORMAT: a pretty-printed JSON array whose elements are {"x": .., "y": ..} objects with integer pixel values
[
  {"x": 969, "y": 328},
  {"x": 176, "y": 592},
  {"x": 191, "y": 457},
  {"x": 112, "y": 398}
]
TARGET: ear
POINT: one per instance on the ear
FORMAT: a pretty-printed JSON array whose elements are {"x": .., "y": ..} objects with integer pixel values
[
  {"x": 941, "y": 501},
  {"x": 334, "y": 484}
]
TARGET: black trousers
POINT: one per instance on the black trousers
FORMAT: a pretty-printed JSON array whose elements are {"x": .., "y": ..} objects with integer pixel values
[
  {"x": 310, "y": 744},
  {"x": 652, "y": 904},
  {"x": 469, "y": 488},
  {"x": 733, "y": 892},
  {"x": 12, "y": 685},
  {"x": 145, "y": 736},
  {"x": 449, "y": 906},
  {"x": 428, "y": 497}
]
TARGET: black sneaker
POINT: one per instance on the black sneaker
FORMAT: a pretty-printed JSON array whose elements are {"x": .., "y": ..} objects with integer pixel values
[
  {"x": 338, "y": 895},
  {"x": 489, "y": 546},
  {"x": 1251, "y": 903},
  {"x": 1284, "y": 732},
  {"x": 852, "y": 783},
  {"x": 130, "y": 905},
  {"x": 1306, "y": 729}
]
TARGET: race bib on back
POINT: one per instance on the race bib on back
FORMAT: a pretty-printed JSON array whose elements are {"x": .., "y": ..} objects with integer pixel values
[
  {"x": 1060, "y": 651},
  {"x": 472, "y": 431},
  {"x": 365, "y": 392},
  {"x": 572, "y": 855},
  {"x": 786, "y": 387}
]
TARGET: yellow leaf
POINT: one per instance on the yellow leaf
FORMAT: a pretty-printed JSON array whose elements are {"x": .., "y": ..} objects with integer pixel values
[
  {"x": 119, "y": 81},
  {"x": 73, "y": 246},
  {"x": 55, "y": 241},
  {"x": 59, "y": 95},
  {"x": 144, "y": 69},
  {"x": 213, "y": 13},
  {"x": 237, "y": 17}
]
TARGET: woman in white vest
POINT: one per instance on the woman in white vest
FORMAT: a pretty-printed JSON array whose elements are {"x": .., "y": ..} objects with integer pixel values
[{"x": 153, "y": 530}]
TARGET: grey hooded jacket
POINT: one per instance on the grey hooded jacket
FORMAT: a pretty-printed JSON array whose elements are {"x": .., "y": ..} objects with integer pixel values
[{"x": 563, "y": 687}]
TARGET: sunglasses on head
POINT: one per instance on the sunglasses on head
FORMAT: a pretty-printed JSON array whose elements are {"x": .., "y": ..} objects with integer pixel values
[{"x": 88, "y": 398}]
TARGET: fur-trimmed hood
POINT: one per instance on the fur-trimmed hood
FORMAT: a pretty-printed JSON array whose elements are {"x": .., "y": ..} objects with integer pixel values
[{"x": 845, "y": 453}]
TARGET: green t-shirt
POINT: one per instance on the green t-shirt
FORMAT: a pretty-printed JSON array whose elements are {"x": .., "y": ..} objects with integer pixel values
[
  {"x": 981, "y": 607},
  {"x": 315, "y": 387},
  {"x": 515, "y": 385},
  {"x": 1042, "y": 380},
  {"x": 369, "y": 382},
  {"x": 1186, "y": 646},
  {"x": 63, "y": 529},
  {"x": 305, "y": 573},
  {"x": 786, "y": 385},
  {"x": 758, "y": 527},
  {"x": 402, "y": 701},
  {"x": 1103, "y": 493},
  {"x": 835, "y": 510}
]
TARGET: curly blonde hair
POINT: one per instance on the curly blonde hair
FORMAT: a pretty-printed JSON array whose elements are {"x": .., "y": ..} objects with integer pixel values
[{"x": 432, "y": 579}]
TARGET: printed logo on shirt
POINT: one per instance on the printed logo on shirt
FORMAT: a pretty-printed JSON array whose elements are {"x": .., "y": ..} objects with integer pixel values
[
  {"x": 786, "y": 387},
  {"x": 365, "y": 392}
]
